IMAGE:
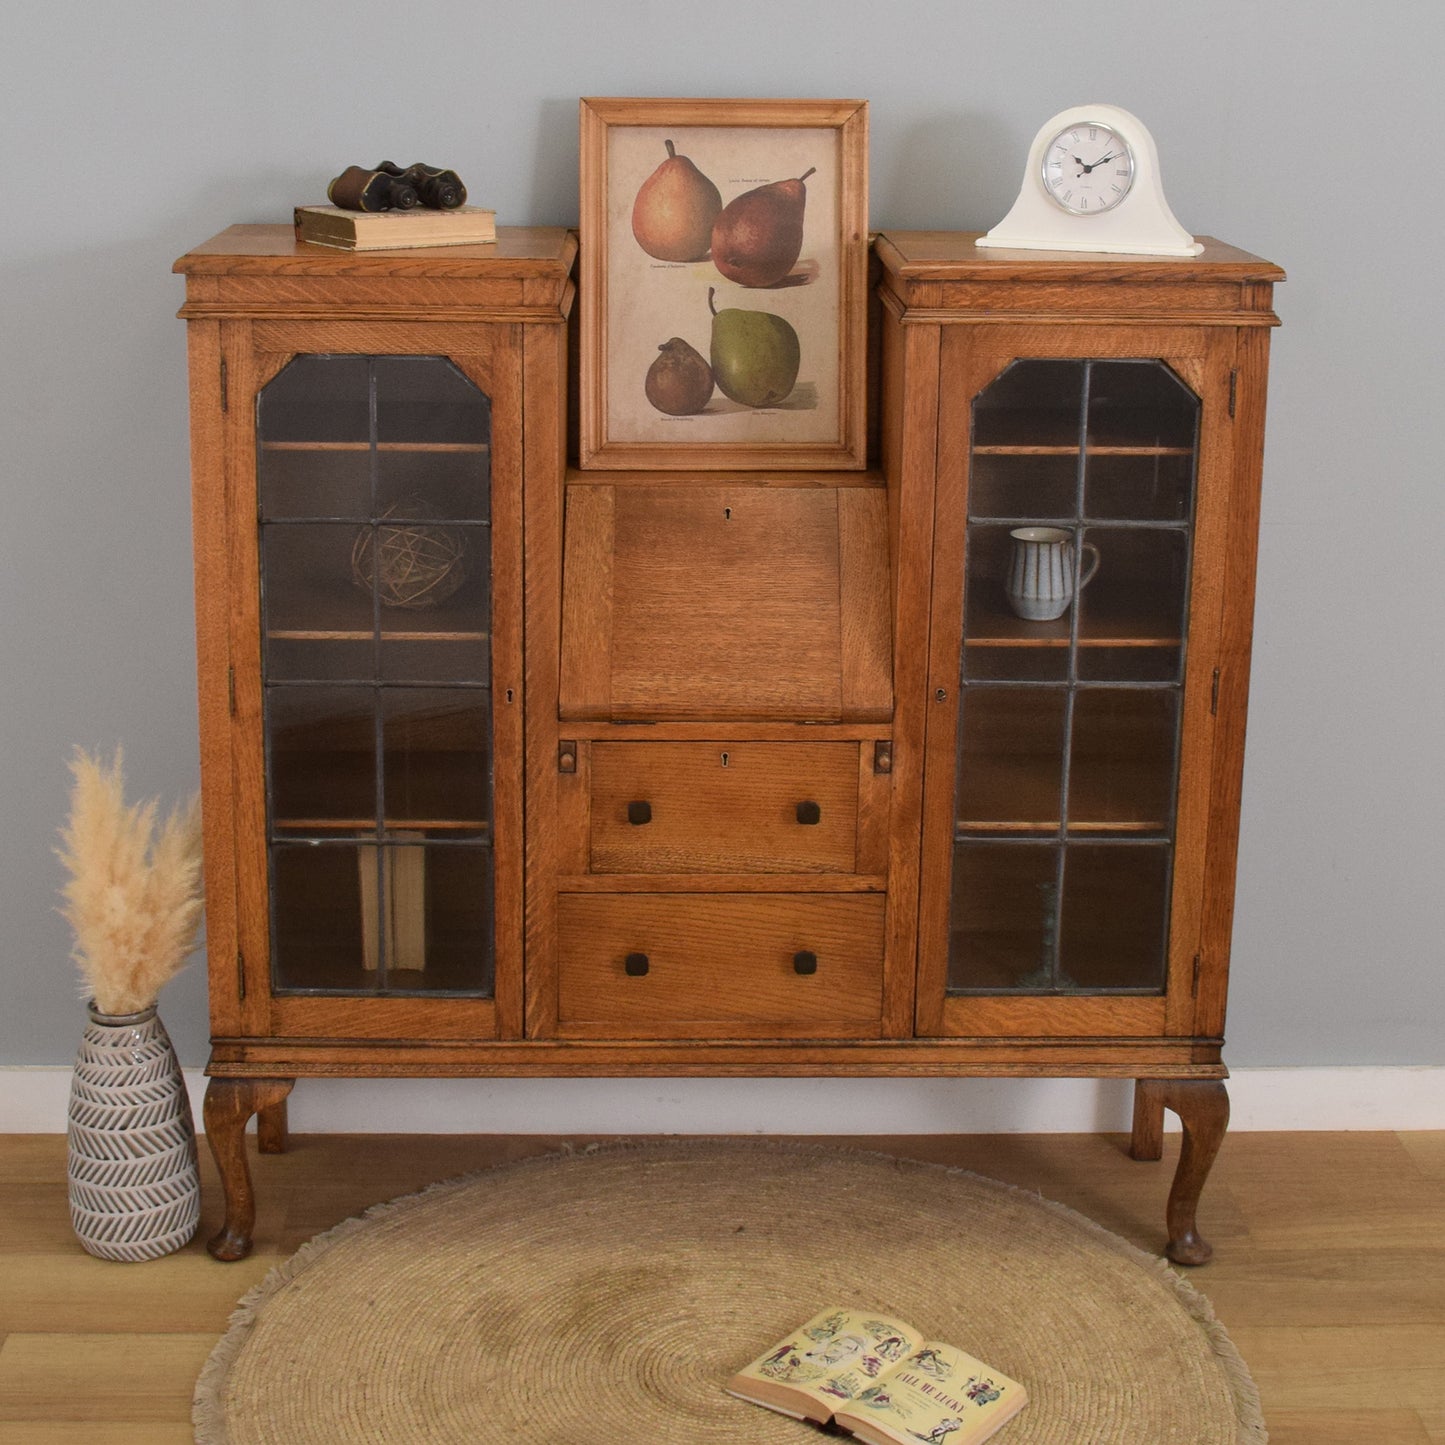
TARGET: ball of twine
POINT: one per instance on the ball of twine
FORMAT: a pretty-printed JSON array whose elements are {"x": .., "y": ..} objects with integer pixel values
[{"x": 409, "y": 564}]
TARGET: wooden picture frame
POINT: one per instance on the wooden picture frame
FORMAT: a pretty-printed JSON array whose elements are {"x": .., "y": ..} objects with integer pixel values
[{"x": 674, "y": 373}]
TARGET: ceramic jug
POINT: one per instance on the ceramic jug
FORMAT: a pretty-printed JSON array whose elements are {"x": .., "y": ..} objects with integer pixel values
[{"x": 1040, "y": 582}]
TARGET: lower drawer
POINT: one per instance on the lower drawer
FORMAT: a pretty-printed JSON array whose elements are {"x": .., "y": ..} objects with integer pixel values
[{"x": 720, "y": 965}]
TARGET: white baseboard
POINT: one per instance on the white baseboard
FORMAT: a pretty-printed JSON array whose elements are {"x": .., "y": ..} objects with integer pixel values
[{"x": 33, "y": 1101}]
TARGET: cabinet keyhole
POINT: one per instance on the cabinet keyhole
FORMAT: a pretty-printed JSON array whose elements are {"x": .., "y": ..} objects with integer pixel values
[{"x": 724, "y": 760}]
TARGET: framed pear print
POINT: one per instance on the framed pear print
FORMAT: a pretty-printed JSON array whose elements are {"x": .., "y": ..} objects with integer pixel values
[{"x": 723, "y": 284}]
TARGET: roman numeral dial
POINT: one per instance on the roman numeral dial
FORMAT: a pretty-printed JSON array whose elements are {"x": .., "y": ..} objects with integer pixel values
[{"x": 1087, "y": 168}]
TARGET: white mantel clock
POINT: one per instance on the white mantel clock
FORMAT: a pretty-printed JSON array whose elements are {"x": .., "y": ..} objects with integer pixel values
[{"x": 1092, "y": 184}]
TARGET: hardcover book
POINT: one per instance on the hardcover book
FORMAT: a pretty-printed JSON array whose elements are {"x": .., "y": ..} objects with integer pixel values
[
  {"x": 881, "y": 1380},
  {"x": 394, "y": 230}
]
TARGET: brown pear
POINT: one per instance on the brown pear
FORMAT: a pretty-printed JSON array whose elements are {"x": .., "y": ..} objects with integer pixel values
[
  {"x": 758, "y": 236},
  {"x": 679, "y": 381},
  {"x": 675, "y": 207}
]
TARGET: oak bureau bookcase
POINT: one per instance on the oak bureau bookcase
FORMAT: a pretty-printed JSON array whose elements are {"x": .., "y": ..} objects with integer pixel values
[{"x": 513, "y": 768}]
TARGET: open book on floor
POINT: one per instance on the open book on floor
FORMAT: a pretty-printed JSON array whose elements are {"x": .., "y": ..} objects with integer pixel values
[{"x": 878, "y": 1378}]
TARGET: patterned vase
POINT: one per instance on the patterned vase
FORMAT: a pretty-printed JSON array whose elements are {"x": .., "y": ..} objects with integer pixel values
[{"x": 135, "y": 1188}]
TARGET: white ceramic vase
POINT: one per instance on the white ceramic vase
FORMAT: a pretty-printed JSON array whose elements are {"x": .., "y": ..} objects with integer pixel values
[{"x": 135, "y": 1187}]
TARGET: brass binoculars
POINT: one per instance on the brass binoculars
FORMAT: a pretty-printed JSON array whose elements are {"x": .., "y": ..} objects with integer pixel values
[{"x": 389, "y": 187}]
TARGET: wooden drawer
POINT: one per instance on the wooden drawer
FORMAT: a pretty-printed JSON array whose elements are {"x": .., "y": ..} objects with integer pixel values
[
  {"x": 720, "y": 965},
  {"x": 724, "y": 808}
]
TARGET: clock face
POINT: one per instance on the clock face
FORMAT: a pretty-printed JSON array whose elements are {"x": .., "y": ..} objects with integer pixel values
[{"x": 1088, "y": 168}]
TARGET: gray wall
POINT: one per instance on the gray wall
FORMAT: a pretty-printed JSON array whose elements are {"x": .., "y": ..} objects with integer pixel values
[{"x": 1307, "y": 132}]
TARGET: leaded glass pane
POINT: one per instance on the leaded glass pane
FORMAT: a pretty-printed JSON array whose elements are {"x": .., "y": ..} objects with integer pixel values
[
  {"x": 374, "y": 478},
  {"x": 1081, "y": 501}
]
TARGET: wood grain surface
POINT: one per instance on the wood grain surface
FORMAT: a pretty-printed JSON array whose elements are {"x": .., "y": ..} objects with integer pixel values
[
  {"x": 720, "y": 964},
  {"x": 724, "y": 807},
  {"x": 1329, "y": 1273}
]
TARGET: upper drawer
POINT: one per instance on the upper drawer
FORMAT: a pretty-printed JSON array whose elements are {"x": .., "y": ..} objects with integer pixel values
[
  {"x": 726, "y": 602},
  {"x": 724, "y": 807}
]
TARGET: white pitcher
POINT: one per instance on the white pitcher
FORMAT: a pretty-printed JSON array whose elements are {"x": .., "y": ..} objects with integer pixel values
[{"x": 1040, "y": 582}]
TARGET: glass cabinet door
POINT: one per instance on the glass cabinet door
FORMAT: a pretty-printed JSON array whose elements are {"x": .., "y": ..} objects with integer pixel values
[
  {"x": 374, "y": 488},
  {"x": 1078, "y": 536}
]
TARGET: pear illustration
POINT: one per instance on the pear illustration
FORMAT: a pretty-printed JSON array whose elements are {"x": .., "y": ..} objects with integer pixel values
[
  {"x": 679, "y": 381},
  {"x": 758, "y": 236},
  {"x": 675, "y": 207},
  {"x": 755, "y": 355}
]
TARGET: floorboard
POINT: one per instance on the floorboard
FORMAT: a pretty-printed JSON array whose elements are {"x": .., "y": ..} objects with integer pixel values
[{"x": 1329, "y": 1271}]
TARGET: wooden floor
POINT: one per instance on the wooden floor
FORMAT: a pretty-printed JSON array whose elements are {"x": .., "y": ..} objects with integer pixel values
[{"x": 1329, "y": 1271}]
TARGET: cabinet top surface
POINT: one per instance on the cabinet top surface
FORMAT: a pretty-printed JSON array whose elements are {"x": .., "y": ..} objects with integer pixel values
[
  {"x": 955, "y": 256},
  {"x": 518, "y": 252}
]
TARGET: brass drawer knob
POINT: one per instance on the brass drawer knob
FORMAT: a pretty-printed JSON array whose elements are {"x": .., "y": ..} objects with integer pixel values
[
  {"x": 635, "y": 965},
  {"x": 639, "y": 813},
  {"x": 805, "y": 962},
  {"x": 809, "y": 813}
]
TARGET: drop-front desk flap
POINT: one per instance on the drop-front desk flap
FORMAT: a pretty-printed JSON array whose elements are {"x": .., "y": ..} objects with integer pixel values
[{"x": 726, "y": 601}]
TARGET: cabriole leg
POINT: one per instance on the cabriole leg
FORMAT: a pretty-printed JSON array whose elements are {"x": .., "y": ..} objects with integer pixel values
[
  {"x": 229, "y": 1105},
  {"x": 1203, "y": 1109}
]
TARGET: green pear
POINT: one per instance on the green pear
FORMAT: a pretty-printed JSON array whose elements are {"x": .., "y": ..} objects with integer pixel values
[
  {"x": 755, "y": 355},
  {"x": 757, "y": 237},
  {"x": 679, "y": 381},
  {"x": 674, "y": 210}
]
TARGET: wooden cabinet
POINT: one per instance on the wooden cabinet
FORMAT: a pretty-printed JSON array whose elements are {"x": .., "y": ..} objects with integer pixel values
[
  {"x": 932, "y": 768},
  {"x": 358, "y": 469},
  {"x": 1085, "y": 429}
]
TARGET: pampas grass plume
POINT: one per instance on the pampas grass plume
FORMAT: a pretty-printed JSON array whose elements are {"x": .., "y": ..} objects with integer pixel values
[{"x": 134, "y": 897}]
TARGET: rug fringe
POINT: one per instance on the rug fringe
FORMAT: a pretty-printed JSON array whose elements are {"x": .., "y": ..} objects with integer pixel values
[{"x": 1248, "y": 1409}]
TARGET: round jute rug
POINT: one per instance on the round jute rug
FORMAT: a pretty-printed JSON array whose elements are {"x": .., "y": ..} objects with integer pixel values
[{"x": 607, "y": 1296}]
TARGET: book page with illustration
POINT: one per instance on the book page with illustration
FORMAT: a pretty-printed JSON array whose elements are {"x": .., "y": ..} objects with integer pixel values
[
  {"x": 827, "y": 1362},
  {"x": 939, "y": 1394}
]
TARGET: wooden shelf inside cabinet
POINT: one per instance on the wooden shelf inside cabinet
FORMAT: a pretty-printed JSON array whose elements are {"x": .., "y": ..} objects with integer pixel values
[
  {"x": 419, "y": 448},
  {"x": 1112, "y": 617},
  {"x": 995, "y": 957},
  {"x": 387, "y": 634},
  {"x": 1020, "y": 794},
  {"x": 322, "y": 613},
  {"x": 1073, "y": 449},
  {"x": 971, "y": 829},
  {"x": 363, "y": 830}
]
